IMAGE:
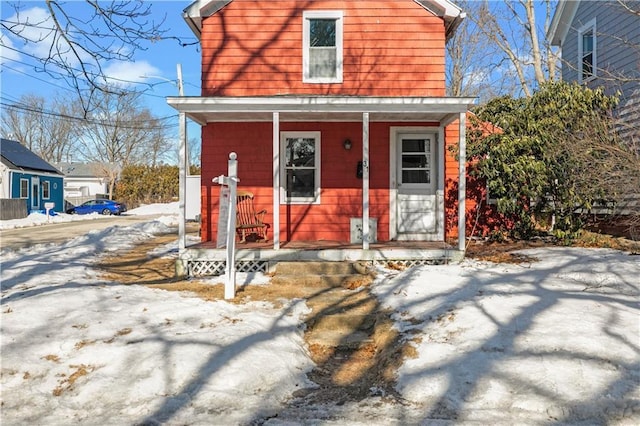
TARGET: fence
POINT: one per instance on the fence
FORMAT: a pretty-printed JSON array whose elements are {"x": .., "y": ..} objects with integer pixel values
[{"x": 13, "y": 208}]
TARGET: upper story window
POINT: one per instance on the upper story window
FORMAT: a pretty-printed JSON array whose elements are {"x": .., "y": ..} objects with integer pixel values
[
  {"x": 300, "y": 167},
  {"x": 322, "y": 47},
  {"x": 587, "y": 52}
]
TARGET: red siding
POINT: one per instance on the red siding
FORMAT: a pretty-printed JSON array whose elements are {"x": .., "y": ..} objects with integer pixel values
[
  {"x": 452, "y": 134},
  {"x": 391, "y": 48},
  {"x": 341, "y": 196}
]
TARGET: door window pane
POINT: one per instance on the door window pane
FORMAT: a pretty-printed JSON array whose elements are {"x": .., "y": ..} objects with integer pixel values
[
  {"x": 416, "y": 160},
  {"x": 415, "y": 176},
  {"x": 414, "y": 145}
]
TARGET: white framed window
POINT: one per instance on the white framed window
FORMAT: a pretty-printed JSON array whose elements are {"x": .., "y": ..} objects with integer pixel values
[
  {"x": 300, "y": 167},
  {"x": 322, "y": 46},
  {"x": 24, "y": 188},
  {"x": 46, "y": 194},
  {"x": 587, "y": 59}
]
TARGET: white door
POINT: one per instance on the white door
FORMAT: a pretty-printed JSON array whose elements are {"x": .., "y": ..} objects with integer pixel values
[
  {"x": 35, "y": 193},
  {"x": 416, "y": 215}
]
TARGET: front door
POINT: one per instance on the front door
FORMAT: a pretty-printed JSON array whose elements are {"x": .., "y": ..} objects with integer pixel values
[
  {"x": 35, "y": 193},
  {"x": 416, "y": 203}
]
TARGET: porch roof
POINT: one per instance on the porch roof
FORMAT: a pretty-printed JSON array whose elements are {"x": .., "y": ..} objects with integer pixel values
[{"x": 320, "y": 108}]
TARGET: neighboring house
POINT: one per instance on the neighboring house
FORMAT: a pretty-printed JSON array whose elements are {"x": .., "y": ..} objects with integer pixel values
[
  {"x": 338, "y": 114},
  {"x": 83, "y": 180},
  {"x": 600, "y": 47},
  {"x": 27, "y": 176}
]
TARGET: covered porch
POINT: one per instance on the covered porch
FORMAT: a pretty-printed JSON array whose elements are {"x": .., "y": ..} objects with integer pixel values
[
  {"x": 437, "y": 113},
  {"x": 205, "y": 259}
]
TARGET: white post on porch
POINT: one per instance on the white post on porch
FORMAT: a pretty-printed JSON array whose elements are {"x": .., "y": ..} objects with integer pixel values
[
  {"x": 365, "y": 181},
  {"x": 182, "y": 175},
  {"x": 276, "y": 181},
  {"x": 462, "y": 181}
]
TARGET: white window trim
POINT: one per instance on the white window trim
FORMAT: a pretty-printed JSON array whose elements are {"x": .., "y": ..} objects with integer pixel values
[
  {"x": 28, "y": 186},
  {"x": 46, "y": 184},
  {"x": 322, "y": 14},
  {"x": 588, "y": 27},
  {"x": 283, "y": 174}
]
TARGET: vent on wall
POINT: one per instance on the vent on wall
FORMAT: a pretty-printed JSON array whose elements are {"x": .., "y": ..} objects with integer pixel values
[{"x": 356, "y": 230}]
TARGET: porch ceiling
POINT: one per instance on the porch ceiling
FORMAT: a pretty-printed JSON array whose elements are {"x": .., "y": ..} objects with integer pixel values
[{"x": 320, "y": 108}]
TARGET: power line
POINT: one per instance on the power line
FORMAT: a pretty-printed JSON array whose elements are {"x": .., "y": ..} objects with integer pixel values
[
  {"x": 63, "y": 76},
  {"x": 27, "y": 108},
  {"x": 35, "y": 78}
]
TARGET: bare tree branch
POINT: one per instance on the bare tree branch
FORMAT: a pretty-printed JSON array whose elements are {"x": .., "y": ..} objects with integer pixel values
[{"x": 75, "y": 41}]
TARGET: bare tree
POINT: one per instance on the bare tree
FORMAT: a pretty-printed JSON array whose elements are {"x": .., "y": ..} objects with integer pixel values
[
  {"x": 461, "y": 54},
  {"x": 195, "y": 152},
  {"x": 50, "y": 129},
  {"x": 511, "y": 28},
  {"x": 119, "y": 132},
  {"x": 471, "y": 60},
  {"x": 72, "y": 41}
]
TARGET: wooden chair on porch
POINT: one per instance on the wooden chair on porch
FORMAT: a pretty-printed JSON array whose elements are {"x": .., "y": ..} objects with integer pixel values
[{"x": 248, "y": 221}]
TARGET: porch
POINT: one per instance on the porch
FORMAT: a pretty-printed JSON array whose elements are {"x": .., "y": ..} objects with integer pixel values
[
  {"x": 275, "y": 116},
  {"x": 205, "y": 259}
]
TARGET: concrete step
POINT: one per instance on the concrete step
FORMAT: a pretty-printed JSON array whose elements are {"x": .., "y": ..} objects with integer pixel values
[{"x": 316, "y": 268}]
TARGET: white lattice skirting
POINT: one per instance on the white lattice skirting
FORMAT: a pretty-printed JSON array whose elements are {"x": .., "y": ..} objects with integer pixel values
[{"x": 201, "y": 268}]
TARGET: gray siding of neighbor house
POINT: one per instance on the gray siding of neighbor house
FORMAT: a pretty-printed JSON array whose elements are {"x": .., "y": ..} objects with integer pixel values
[
  {"x": 614, "y": 26},
  {"x": 617, "y": 54}
]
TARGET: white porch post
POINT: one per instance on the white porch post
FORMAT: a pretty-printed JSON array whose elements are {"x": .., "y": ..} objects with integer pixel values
[
  {"x": 182, "y": 177},
  {"x": 276, "y": 180},
  {"x": 365, "y": 181},
  {"x": 462, "y": 179}
]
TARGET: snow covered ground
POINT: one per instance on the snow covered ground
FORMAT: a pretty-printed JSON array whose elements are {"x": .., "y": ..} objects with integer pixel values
[{"x": 554, "y": 341}]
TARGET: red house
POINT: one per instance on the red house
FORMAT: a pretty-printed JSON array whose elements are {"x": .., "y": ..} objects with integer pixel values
[{"x": 338, "y": 115}]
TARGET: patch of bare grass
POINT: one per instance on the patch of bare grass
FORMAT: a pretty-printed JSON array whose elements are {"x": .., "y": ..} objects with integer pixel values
[
  {"x": 202, "y": 290},
  {"x": 51, "y": 357},
  {"x": 68, "y": 382},
  {"x": 504, "y": 252},
  {"x": 81, "y": 344}
]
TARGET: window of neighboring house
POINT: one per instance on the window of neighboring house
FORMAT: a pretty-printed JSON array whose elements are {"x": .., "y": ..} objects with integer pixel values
[
  {"x": 24, "y": 188},
  {"x": 45, "y": 190},
  {"x": 322, "y": 47},
  {"x": 300, "y": 167},
  {"x": 587, "y": 52}
]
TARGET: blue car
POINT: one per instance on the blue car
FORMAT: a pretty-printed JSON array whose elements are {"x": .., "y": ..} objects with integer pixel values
[{"x": 106, "y": 207}]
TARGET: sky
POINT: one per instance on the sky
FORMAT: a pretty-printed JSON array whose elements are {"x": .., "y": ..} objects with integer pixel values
[
  {"x": 159, "y": 61},
  {"x": 553, "y": 340}
]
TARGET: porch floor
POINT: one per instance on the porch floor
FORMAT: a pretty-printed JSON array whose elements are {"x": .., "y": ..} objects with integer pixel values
[
  {"x": 205, "y": 259},
  {"x": 327, "y": 244}
]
